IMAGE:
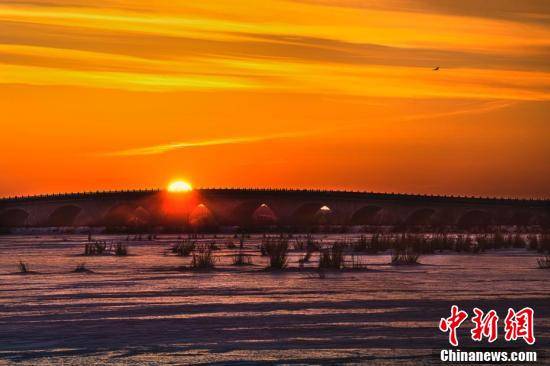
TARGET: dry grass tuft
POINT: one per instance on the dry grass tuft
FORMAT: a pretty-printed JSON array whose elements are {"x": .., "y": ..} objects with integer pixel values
[
  {"x": 333, "y": 257},
  {"x": 544, "y": 262},
  {"x": 121, "y": 249},
  {"x": 23, "y": 267},
  {"x": 81, "y": 268},
  {"x": 95, "y": 248},
  {"x": 242, "y": 259},
  {"x": 183, "y": 248},
  {"x": 203, "y": 258},
  {"x": 276, "y": 249},
  {"x": 404, "y": 256},
  {"x": 358, "y": 262}
]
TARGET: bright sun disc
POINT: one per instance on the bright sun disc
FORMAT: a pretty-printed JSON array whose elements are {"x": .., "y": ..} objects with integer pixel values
[{"x": 179, "y": 186}]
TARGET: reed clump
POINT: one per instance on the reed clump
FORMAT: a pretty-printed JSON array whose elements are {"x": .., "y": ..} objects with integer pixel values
[
  {"x": 306, "y": 258},
  {"x": 23, "y": 267},
  {"x": 404, "y": 256},
  {"x": 533, "y": 242},
  {"x": 242, "y": 259},
  {"x": 121, "y": 249},
  {"x": 95, "y": 248},
  {"x": 81, "y": 268},
  {"x": 203, "y": 258},
  {"x": 360, "y": 245},
  {"x": 312, "y": 245},
  {"x": 213, "y": 246},
  {"x": 441, "y": 241},
  {"x": 332, "y": 257},
  {"x": 412, "y": 243},
  {"x": 498, "y": 241},
  {"x": 463, "y": 243},
  {"x": 517, "y": 241},
  {"x": 482, "y": 243},
  {"x": 183, "y": 248},
  {"x": 358, "y": 262},
  {"x": 299, "y": 245},
  {"x": 377, "y": 243},
  {"x": 277, "y": 250}
]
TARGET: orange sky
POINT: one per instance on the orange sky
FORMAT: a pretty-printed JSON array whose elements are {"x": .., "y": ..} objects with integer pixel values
[{"x": 299, "y": 93}]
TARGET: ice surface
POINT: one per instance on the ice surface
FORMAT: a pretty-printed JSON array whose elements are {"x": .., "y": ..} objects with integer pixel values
[{"x": 142, "y": 310}]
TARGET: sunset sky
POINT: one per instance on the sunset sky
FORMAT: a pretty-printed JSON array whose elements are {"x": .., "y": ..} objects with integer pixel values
[{"x": 339, "y": 94}]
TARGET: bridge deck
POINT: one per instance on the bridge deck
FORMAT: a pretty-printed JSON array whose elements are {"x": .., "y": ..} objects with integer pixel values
[{"x": 302, "y": 193}]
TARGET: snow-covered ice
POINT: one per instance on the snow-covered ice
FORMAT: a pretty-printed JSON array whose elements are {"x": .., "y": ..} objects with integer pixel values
[{"x": 142, "y": 310}]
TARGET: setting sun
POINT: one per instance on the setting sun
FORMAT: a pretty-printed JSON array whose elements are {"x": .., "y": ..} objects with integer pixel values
[{"x": 179, "y": 186}]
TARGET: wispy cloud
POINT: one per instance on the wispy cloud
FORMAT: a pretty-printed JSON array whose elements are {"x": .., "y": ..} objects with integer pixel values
[
  {"x": 477, "y": 108},
  {"x": 166, "y": 148},
  {"x": 533, "y": 11},
  {"x": 342, "y": 48}
]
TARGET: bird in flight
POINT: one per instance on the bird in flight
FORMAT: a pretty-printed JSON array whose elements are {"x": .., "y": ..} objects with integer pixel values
[{"x": 436, "y": 68}]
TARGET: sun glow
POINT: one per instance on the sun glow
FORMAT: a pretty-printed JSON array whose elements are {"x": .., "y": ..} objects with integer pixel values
[{"x": 180, "y": 186}]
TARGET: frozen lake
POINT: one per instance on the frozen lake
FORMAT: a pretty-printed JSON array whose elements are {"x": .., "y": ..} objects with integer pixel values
[{"x": 141, "y": 310}]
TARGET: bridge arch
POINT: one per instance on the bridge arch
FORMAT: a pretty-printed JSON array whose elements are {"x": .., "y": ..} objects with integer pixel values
[
  {"x": 254, "y": 212},
  {"x": 264, "y": 215},
  {"x": 313, "y": 213},
  {"x": 127, "y": 214},
  {"x": 141, "y": 216},
  {"x": 201, "y": 216},
  {"x": 475, "y": 218},
  {"x": 14, "y": 217},
  {"x": 64, "y": 216},
  {"x": 119, "y": 214},
  {"x": 368, "y": 215},
  {"x": 420, "y": 217}
]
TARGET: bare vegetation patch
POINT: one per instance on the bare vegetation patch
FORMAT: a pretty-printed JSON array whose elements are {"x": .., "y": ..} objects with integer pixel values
[
  {"x": 23, "y": 267},
  {"x": 332, "y": 257},
  {"x": 305, "y": 259},
  {"x": 358, "y": 262},
  {"x": 242, "y": 259},
  {"x": 404, "y": 257},
  {"x": 81, "y": 268},
  {"x": 544, "y": 262},
  {"x": 183, "y": 248},
  {"x": 95, "y": 248},
  {"x": 203, "y": 258},
  {"x": 102, "y": 248},
  {"x": 121, "y": 249},
  {"x": 276, "y": 249}
]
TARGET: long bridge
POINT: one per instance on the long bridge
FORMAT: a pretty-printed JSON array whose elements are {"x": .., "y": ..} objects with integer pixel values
[{"x": 266, "y": 207}]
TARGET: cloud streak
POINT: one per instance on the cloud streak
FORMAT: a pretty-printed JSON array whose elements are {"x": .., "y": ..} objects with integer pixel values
[
  {"x": 340, "y": 48},
  {"x": 171, "y": 147},
  {"x": 478, "y": 108}
]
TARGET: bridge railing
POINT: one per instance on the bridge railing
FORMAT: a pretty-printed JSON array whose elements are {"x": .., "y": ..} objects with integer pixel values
[
  {"x": 388, "y": 195},
  {"x": 77, "y": 195}
]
